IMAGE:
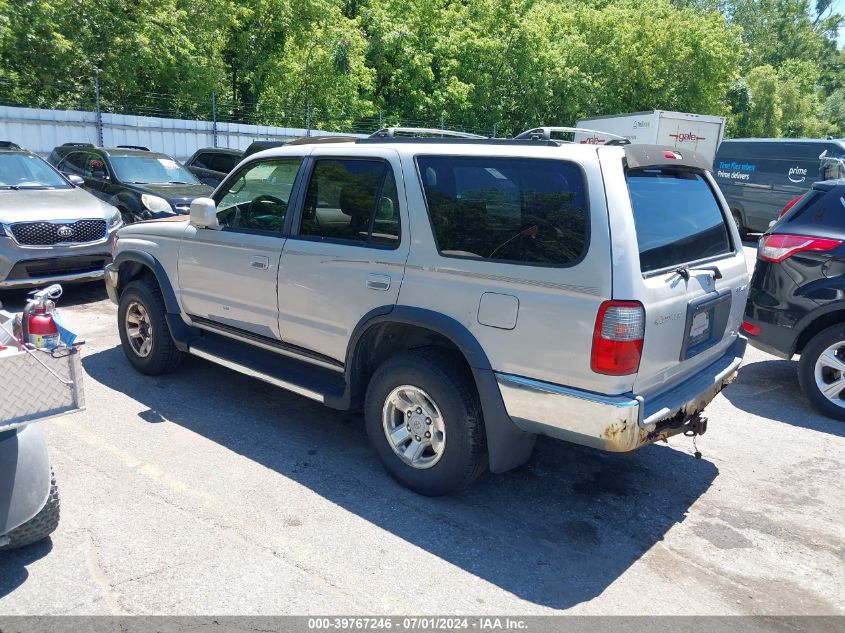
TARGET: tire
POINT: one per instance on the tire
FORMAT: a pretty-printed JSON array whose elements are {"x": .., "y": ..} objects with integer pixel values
[
  {"x": 162, "y": 355},
  {"x": 448, "y": 393},
  {"x": 812, "y": 372},
  {"x": 743, "y": 232},
  {"x": 41, "y": 525}
]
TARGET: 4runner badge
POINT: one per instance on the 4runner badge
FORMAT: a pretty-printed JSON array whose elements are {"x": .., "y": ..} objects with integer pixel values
[{"x": 668, "y": 317}]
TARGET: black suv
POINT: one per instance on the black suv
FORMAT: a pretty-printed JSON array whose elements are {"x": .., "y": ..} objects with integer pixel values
[
  {"x": 212, "y": 164},
  {"x": 140, "y": 183},
  {"x": 796, "y": 304}
]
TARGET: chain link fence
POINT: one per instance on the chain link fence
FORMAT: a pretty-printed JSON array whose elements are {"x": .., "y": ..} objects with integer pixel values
[{"x": 216, "y": 110}]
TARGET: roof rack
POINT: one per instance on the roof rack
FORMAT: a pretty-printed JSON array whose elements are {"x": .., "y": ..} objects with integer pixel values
[
  {"x": 138, "y": 147},
  {"x": 9, "y": 145},
  {"x": 73, "y": 144},
  {"x": 545, "y": 134},
  {"x": 390, "y": 132},
  {"x": 313, "y": 140}
]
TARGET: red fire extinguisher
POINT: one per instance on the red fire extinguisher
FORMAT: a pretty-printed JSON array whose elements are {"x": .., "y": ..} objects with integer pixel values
[{"x": 39, "y": 327}]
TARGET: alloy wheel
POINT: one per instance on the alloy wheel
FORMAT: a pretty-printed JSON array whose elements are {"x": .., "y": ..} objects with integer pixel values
[{"x": 414, "y": 426}]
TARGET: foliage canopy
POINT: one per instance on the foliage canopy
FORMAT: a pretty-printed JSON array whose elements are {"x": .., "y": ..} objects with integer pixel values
[{"x": 771, "y": 66}]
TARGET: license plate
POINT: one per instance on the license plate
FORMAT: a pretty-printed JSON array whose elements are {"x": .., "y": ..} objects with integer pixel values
[{"x": 700, "y": 327}]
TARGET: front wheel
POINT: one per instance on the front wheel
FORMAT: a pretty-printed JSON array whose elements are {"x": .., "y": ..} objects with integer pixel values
[
  {"x": 821, "y": 372},
  {"x": 423, "y": 419},
  {"x": 144, "y": 334}
]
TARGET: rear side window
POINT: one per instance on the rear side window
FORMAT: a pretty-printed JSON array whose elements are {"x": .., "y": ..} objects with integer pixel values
[
  {"x": 352, "y": 201},
  {"x": 224, "y": 163},
  {"x": 677, "y": 217},
  {"x": 520, "y": 210}
]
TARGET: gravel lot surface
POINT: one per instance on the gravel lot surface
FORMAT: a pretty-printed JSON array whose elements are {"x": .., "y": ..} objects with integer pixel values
[{"x": 207, "y": 492}]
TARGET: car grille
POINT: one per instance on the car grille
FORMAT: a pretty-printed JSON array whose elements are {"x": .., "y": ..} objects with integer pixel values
[{"x": 50, "y": 233}]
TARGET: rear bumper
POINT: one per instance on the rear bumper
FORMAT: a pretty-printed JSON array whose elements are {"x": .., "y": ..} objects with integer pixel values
[
  {"x": 46, "y": 280},
  {"x": 777, "y": 340},
  {"x": 615, "y": 423}
]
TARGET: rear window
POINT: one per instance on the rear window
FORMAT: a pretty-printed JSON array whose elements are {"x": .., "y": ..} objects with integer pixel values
[
  {"x": 677, "y": 217},
  {"x": 524, "y": 211}
]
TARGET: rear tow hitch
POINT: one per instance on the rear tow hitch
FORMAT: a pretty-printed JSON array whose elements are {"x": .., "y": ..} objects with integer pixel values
[{"x": 696, "y": 426}]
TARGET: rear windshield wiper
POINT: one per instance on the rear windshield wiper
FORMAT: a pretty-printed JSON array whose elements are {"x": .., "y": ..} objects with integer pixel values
[
  {"x": 686, "y": 272},
  {"x": 178, "y": 182},
  {"x": 138, "y": 182},
  {"x": 12, "y": 187}
]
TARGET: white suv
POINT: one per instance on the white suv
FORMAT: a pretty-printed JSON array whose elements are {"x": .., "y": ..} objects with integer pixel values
[{"x": 469, "y": 294}]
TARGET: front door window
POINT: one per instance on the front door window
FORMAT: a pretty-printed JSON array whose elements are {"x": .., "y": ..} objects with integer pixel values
[{"x": 258, "y": 198}]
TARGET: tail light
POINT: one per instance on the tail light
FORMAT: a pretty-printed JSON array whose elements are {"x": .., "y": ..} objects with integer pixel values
[
  {"x": 776, "y": 248},
  {"x": 750, "y": 328},
  {"x": 789, "y": 205},
  {"x": 618, "y": 338}
]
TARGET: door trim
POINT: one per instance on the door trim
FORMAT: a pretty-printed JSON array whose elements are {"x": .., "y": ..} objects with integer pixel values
[{"x": 273, "y": 345}]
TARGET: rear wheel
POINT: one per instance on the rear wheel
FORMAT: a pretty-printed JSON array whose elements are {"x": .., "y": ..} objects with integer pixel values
[
  {"x": 424, "y": 421},
  {"x": 144, "y": 334},
  {"x": 41, "y": 525},
  {"x": 821, "y": 372},
  {"x": 743, "y": 232}
]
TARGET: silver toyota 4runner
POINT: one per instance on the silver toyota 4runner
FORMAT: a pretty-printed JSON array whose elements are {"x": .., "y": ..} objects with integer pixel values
[{"x": 468, "y": 294}]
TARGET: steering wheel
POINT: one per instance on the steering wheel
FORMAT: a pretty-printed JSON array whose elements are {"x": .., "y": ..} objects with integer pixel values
[
  {"x": 265, "y": 198},
  {"x": 258, "y": 216}
]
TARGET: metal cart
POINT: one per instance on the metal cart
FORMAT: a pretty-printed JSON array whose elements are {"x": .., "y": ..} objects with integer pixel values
[{"x": 34, "y": 385}]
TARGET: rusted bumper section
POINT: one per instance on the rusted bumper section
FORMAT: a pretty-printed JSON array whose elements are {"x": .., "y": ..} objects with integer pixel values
[{"x": 617, "y": 423}]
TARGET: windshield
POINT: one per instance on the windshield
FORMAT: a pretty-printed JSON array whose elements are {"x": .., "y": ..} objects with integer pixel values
[
  {"x": 25, "y": 171},
  {"x": 151, "y": 170}
]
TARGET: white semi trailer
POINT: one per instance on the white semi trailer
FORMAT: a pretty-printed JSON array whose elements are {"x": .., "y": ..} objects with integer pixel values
[{"x": 699, "y": 132}]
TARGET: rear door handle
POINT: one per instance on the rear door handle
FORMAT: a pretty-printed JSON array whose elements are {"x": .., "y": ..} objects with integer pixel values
[
  {"x": 378, "y": 282},
  {"x": 261, "y": 263}
]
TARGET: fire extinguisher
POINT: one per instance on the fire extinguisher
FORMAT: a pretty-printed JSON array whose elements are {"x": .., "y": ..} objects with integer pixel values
[{"x": 38, "y": 326}]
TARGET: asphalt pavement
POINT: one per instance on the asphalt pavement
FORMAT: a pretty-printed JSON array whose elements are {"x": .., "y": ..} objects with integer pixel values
[{"x": 207, "y": 492}]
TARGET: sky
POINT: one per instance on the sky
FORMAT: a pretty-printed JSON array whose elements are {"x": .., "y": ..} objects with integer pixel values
[{"x": 839, "y": 7}]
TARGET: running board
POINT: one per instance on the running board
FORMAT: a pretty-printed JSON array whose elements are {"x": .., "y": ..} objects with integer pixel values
[{"x": 323, "y": 385}]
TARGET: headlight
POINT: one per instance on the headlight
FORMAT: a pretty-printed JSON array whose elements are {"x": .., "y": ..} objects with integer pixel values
[
  {"x": 155, "y": 204},
  {"x": 5, "y": 231},
  {"x": 115, "y": 220}
]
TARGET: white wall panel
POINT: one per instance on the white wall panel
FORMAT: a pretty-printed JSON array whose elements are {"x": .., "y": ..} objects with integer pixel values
[{"x": 42, "y": 130}]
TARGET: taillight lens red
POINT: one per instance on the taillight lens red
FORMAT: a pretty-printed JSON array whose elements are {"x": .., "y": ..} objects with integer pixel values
[
  {"x": 618, "y": 338},
  {"x": 789, "y": 205},
  {"x": 751, "y": 329},
  {"x": 776, "y": 248}
]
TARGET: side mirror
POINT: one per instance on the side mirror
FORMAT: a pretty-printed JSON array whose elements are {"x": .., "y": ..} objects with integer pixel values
[
  {"x": 100, "y": 175},
  {"x": 75, "y": 180},
  {"x": 204, "y": 214}
]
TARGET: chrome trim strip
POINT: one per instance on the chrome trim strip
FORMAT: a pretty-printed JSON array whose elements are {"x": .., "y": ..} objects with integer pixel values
[
  {"x": 313, "y": 395},
  {"x": 93, "y": 275},
  {"x": 582, "y": 417},
  {"x": 550, "y": 388}
]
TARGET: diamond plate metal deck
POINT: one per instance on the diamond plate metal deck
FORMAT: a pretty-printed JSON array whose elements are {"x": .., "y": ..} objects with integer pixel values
[{"x": 31, "y": 390}]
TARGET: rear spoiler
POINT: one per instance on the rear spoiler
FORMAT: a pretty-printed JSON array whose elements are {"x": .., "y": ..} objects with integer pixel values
[{"x": 638, "y": 156}]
